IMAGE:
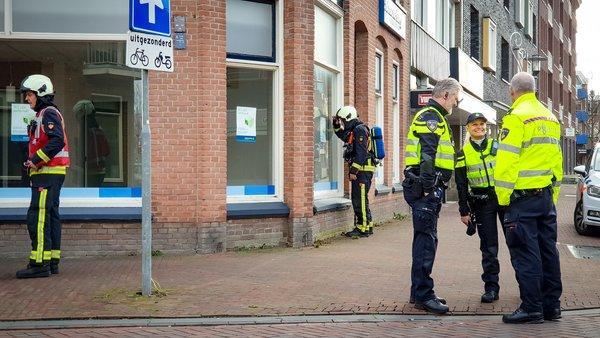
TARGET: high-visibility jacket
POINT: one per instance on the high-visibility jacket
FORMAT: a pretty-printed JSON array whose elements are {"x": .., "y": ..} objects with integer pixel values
[
  {"x": 529, "y": 154},
  {"x": 444, "y": 156},
  {"x": 479, "y": 165},
  {"x": 46, "y": 131}
]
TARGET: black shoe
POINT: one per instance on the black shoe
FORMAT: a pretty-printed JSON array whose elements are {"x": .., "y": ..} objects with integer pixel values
[
  {"x": 522, "y": 317},
  {"x": 34, "y": 272},
  {"x": 54, "y": 269},
  {"x": 432, "y": 305},
  {"x": 553, "y": 314},
  {"x": 489, "y": 297},
  {"x": 370, "y": 231},
  {"x": 441, "y": 300},
  {"x": 356, "y": 233}
]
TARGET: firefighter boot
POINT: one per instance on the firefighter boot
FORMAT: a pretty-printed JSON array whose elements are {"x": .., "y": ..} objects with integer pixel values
[
  {"x": 34, "y": 271},
  {"x": 355, "y": 233}
]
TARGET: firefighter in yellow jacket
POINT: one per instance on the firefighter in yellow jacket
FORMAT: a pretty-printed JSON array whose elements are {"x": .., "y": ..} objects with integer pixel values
[{"x": 527, "y": 176}]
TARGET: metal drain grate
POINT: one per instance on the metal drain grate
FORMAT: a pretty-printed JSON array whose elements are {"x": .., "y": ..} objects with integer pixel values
[{"x": 585, "y": 252}]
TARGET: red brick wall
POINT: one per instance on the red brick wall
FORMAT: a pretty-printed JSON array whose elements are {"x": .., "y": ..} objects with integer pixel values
[{"x": 189, "y": 145}]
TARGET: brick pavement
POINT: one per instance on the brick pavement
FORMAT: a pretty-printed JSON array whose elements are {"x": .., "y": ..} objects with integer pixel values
[{"x": 347, "y": 276}]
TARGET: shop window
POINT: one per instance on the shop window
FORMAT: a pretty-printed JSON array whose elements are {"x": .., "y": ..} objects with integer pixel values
[
  {"x": 489, "y": 44},
  {"x": 328, "y": 162},
  {"x": 250, "y": 132},
  {"x": 396, "y": 123},
  {"x": 379, "y": 112},
  {"x": 505, "y": 61},
  {"x": 70, "y": 16},
  {"x": 474, "y": 41},
  {"x": 251, "y": 30},
  {"x": 98, "y": 102}
]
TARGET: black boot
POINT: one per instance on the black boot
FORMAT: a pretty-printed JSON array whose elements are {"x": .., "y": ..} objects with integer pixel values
[
  {"x": 489, "y": 297},
  {"x": 54, "y": 266},
  {"x": 440, "y": 299},
  {"x": 370, "y": 231},
  {"x": 522, "y": 317},
  {"x": 34, "y": 271},
  {"x": 553, "y": 314},
  {"x": 356, "y": 233},
  {"x": 432, "y": 305}
]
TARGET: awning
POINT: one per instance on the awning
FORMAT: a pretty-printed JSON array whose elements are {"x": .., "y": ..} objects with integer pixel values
[{"x": 470, "y": 104}]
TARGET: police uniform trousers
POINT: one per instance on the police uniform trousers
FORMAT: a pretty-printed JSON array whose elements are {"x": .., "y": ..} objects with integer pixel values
[
  {"x": 360, "y": 200},
  {"x": 425, "y": 213},
  {"x": 530, "y": 226},
  {"x": 43, "y": 219},
  {"x": 487, "y": 213}
]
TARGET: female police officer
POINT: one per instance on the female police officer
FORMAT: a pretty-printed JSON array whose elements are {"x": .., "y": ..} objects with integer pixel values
[{"x": 478, "y": 204}]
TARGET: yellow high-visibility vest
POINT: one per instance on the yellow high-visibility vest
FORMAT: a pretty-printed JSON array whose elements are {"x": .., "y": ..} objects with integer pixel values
[
  {"x": 529, "y": 154},
  {"x": 444, "y": 156},
  {"x": 479, "y": 165}
]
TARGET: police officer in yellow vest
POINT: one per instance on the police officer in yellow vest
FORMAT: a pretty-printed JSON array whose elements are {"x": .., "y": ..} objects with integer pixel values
[
  {"x": 474, "y": 175},
  {"x": 528, "y": 175},
  {"x": 429, "y": 159}
]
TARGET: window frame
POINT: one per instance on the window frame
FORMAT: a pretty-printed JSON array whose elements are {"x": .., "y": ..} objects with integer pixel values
[
  {"x": 334, "y": 10},
  {"x": 274, "y": 39},
  {"x": 490, "y": 44},
  {"x": 396, "y": 122},
  {"x": 277, "y": 124},
  {"x": 9, "y": 34},
  {"x": 474, "y": 46},
  {"x": 379, "y": 106}
]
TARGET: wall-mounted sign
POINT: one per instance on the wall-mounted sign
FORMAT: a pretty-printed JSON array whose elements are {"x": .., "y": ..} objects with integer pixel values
[
  {"x": 466, "y": 71},
  {"x": 570, "y": 132},
  {"x": 393, "y": 17},
  {"x": 420, "y": 98}
]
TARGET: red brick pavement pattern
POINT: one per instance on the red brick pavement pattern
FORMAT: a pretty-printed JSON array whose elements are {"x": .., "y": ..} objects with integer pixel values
[
  {"x": 581, "y": 326},
  {"x": 347, "y": 276}
]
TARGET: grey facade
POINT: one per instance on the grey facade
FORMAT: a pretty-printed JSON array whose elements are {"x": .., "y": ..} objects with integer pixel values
[{"x": 495, "y": 88}]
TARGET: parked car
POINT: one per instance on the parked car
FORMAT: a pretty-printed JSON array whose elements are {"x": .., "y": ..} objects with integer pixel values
[{"x": 586, "y": 216}]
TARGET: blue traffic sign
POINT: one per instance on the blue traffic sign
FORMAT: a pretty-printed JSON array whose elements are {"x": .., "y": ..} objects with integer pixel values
[{"x": 150, "y": 16}]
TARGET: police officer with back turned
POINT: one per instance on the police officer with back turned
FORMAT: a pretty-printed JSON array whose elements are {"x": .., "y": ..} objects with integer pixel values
[
  {"x": 528, "y": 175},
  {"x": 474, "y": 174},
  {"x": 429, "y": 159}
]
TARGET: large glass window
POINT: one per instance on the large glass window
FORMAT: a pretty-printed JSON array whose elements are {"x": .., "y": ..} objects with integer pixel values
[
  {"x": 249, "y": 132},
  {"x": 70, "y": 16},
  {"x": 251, "y": 29},
  {"x": 475, "y": 36},
  {"x": 96, "y": 96},
  {"x": 328, "y": 164}
]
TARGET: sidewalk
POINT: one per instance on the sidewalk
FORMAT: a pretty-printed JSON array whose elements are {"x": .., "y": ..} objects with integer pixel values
[{"x": 347, "y": 276}]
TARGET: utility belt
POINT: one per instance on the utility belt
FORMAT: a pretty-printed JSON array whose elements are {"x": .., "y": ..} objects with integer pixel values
[{"x": 520, "y": 193}]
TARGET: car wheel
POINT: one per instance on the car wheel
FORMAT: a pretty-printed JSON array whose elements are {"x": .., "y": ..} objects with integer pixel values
[{"x": 580, "y": 226}]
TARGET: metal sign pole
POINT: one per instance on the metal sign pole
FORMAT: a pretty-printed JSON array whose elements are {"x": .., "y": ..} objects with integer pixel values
[{"x": 146, "y": 192}]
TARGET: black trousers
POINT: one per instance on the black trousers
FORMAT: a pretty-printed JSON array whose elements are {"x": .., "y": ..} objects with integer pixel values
[
  {"x": 360, "y": 200},
  {"x": 487, "y": 213},
  {"x": 530, "y": 225},
  {"x": 425, "y": 214},
  {"x": 43, "y": 218}
]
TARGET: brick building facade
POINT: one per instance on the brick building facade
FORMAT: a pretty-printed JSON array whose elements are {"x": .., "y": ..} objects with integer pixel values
[{"x": 201, "y": 200}]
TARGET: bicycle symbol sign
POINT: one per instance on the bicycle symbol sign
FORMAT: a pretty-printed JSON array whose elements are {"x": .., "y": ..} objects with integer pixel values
[{"x": 150, "y": 52}]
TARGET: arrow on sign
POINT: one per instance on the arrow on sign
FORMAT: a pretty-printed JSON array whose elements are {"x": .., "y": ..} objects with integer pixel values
[{"x": 152, "y": 4}]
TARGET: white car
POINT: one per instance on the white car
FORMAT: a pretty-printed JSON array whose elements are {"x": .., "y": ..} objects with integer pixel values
[{"x": 586, "y": 216}]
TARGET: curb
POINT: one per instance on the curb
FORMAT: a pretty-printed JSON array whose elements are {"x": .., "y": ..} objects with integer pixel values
[{"x": 266, "y": 320}]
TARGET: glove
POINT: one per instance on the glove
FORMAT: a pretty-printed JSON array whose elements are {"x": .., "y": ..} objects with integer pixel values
[
  {"x": 337, "y": 123},
  {"x": 29, "y": 165}
]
